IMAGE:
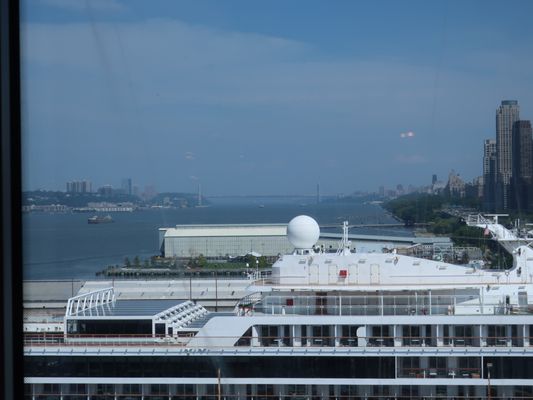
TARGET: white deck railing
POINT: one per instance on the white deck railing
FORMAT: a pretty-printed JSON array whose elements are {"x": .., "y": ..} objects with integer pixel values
[{"x": 89, "y": 300}]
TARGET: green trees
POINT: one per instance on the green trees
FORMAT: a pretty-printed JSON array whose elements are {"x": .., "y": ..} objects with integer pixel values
[
  {"x": 254, "y": 261},
  {"x": 415, "y": 208},
  {"x": 197, "y": 262},
  {"x": 425, "y": 208}
]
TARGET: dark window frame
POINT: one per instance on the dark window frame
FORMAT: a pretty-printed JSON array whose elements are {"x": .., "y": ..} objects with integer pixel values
[{"x": 11, "y": 188}]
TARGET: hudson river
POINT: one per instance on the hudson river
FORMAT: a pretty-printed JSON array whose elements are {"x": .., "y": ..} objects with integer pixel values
[{"x": 65, "y": 246}]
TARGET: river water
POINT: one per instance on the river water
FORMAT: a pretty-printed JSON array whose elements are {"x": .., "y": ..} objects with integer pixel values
[{"x": 65, "y": 246}]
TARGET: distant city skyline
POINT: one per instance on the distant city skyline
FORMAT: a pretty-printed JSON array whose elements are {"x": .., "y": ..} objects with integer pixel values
[
  {"x": 508, "y": 162},
  {"x": 81, "y": 186},
  {"x": 352, "y": 96}
]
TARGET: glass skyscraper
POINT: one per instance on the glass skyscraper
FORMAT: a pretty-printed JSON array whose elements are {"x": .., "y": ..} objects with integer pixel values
[{"x": 506, "y": 115}]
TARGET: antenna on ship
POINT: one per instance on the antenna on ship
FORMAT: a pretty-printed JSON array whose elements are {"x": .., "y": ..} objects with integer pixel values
[{"x": 344, "y": 247}]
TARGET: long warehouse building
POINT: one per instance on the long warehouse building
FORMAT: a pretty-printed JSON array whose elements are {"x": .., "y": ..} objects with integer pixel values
[
  {"x": 229, "y": 240},
  {"x": 224, "y": 240}
]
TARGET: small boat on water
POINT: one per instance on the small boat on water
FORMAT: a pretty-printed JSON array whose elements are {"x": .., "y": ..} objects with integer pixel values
[{"x": 98, "y": 219}]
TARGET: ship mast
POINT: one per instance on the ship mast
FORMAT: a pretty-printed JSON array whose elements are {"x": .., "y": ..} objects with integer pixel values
[{"x": 344, "y": 246}]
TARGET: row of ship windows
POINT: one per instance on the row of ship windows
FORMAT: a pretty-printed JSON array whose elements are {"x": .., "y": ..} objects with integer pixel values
[
  {"x": 266, "y": 392},
  {"x": 279, "y": 367},
  {"x": 387, "y": 335}
]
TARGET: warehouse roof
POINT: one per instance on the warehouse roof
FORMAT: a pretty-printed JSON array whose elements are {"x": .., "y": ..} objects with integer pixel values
[{"x": 226, "y": 230}]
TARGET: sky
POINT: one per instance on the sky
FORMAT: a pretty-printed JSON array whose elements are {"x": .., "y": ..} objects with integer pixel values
[{"x": 267, "y": 97}]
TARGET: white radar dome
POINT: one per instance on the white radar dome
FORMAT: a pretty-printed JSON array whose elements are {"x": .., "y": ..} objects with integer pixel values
[{"x": 303, "y": 232}]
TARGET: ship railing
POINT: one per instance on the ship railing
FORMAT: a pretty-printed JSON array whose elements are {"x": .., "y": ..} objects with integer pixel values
[
  {"x": 142, "y": 395},
  {"x": 430, "y": 372},
  {"x": 387, "y": 341},
  {"x": 102, "y": 340},
  {"x": 478, "y": 219},
  {"x": 248, "y": 303},
  {"x": 90, "y": 300},
  {"x": 263, "y": 280},
  {"x": 260, "y": 341},
  {"x": 384, "y": 305}
]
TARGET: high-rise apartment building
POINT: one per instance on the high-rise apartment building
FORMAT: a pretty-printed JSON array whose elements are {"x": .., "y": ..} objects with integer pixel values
[
  {"x": 522, "y": 174},
  {"x": 79, "y": 187},
  {"x": 106, "y": 190},
  {"x": 506, "y": 115},
  {"x": 399, "y": 190},
  {"x": 456, "y": 186},
  {"x": 136, "y": 191},
  {"x": 489, "y": 174},
  {"x": 127, "y": 187}
]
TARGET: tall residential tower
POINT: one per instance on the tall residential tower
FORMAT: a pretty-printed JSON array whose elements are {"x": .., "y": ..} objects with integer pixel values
[
  {"x": 506, "y": 115},
  {"x": 522, "y": 155},
  {"x": 489, "y": 174}
]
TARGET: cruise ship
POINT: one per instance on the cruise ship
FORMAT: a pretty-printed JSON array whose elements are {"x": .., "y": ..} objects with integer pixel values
[{"x": 323, "y": 325}]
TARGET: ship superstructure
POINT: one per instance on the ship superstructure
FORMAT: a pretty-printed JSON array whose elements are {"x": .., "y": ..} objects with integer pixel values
[{"x": 324, "y": 325}]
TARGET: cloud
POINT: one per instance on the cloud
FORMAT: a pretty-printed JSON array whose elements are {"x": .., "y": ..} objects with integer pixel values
[
  {"x": 190, "y": 64},
  {"x": 156, "y": 45},
  {"x": 409, "y": 134},
  {"x": 81, "y": 5},
  {"x": 189, "y": 156}
]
